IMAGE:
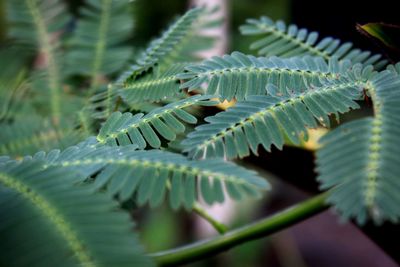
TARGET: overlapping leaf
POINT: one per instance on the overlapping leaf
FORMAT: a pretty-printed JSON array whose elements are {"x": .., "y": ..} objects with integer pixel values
[
  {"x": 150, "y": 175},
  {"x": 268, "y": 119},
  {"x": 240, "y": 76}
]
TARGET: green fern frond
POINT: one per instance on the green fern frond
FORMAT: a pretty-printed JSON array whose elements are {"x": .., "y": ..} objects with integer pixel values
[
  {"x": 153, "y": 87},
  {"x": 279, "y": 39},
  {"x": 360, "y": 159},
  {"x": 268, "y": 119},
  {"x": 60, "y": 223},
  {"x": 36, "y": 23},
  {"x": 140, "y": 129},
  {"x": 238, "y": 75},
  {"x": 25, "y": 136},
  {"x": 151, "y": 174},
  {"x": 95, "y": 48},
  {"x": 178, "y": 43}
]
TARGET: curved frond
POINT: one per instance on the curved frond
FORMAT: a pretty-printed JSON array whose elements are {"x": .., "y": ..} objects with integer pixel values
[
  {"x": 96, "y": 43},
  {"x": 360, "y": 159},
  {"x": 48, "y": 221},
  {"x": 151, "y": 174},
  {"x": 279, "y": 39},
  {"x": 140, "y": 129},
  {"x": 179, "y": 42},
  {"x": 269, "y": 119},
  {"x": 238, "y": 75}
]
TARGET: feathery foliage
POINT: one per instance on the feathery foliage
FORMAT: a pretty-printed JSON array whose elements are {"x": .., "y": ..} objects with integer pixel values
[
  {"x": 279, "y": 39},
  {"x": 240, "y": 75},
  {"x": 149, "y": 175},
  {"x": 154, "y": 75},
  {"x": 123, "y": 129},
  {"x": 59, "y": 204},
  {"x": 269, "y": 119},
  {"x": 153, "y": 87},
  {"x": 360, "y": 158},
  {"x": 65, "y": 233}
]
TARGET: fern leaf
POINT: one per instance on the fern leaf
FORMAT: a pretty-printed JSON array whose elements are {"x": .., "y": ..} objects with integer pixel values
[
  {"x": 150, "y": 175},
  {"x": 55, "y": 221},
  {"x": 360, "y": 158},
  {"x": 178, "y": 43},
  {"x": 140, "y": 129},
  {"x": 268, "y": 119},
  {"x": 238, "y": 75},
  {"x": 279, "y": 39},
  {"x": 36, "y": 22},
  {"x": 95, "y": 48},
  {"x": 153, "y": 87}
]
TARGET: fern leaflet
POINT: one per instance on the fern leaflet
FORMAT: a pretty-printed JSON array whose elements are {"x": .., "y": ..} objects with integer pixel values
[{"x": 141, "y": 129}]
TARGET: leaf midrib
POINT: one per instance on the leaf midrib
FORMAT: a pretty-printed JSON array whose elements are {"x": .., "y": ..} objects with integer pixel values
[
  {"x": 270, "y": 109},
  {"x": 171, "y": 167}
]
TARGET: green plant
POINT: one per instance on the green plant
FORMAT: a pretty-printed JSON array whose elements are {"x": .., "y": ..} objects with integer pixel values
[{"x": 110, "y": 137}]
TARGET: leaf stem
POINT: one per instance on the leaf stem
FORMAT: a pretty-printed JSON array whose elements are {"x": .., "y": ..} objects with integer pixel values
[
  {"x": 220, "y": 227},
  {"x": 256, "y": 230}
]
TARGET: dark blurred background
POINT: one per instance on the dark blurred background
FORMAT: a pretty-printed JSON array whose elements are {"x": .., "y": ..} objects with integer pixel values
[{"x": 318, "y": 242}]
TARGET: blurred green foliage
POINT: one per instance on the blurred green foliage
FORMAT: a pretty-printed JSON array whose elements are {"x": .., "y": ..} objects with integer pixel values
[{"x": 150, "y": 17}]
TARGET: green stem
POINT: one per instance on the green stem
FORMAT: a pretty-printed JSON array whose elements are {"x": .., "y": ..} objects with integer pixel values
[
  {"x": 220, "y": 227},
  {"x": 264, "y": 227}
]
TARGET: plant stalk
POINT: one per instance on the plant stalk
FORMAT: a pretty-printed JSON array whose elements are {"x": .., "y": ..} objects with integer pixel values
[
  {"x": 256, "y": 230},
  {"x": 218, "y": 226}
]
